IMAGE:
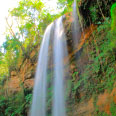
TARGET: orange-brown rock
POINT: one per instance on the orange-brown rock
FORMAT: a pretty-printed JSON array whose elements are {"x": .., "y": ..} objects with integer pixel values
[
  {"x": 24, "y": 75},
  {"x": 113, "y": 93},
  {"x": 84, "y": 37},
  {"x": 85, "y": 108},
  {"x": 104, "y": 101},
  {"x": 29, "y": 83},
  {"x": 13, "y": 85},
  {"x": 13, "y": 73}
]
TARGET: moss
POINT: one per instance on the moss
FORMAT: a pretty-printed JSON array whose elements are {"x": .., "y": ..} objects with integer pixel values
[
  {"x": 113, "y": 109},
  {"x": 113, "y": 16}
]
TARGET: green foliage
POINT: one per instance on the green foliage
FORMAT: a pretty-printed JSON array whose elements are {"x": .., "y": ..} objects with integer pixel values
[
  {"x": 102, "y": 70},
  {"x": 99, "y": 74},
  {"x": 16, "y": 105},
  {"x": 113, "y": 16},
  {"x": 76, "y": 85},
  {"x": 93, "y": 13},
  {"x": 13, "y": 52},
  {"x": 3, "y": 68},
  {"x": 101, "y": 114},
  {"x": 113, "y": 109},
  {"x": 67, "y": 5}
]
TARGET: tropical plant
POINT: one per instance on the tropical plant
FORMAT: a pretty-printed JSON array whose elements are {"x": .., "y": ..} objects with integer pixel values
[{"x": 113, "y": 16}]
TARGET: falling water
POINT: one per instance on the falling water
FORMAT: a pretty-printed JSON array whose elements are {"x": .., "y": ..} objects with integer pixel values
[
  {"x": 76, "y": 26},
  {"x": 39, "y": 94},
  {"x": 60, "y": 51}
]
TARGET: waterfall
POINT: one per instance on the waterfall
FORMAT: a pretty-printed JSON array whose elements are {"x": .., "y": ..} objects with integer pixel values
[
  {"x": 38, "y": 107},
  {"x": 60, "y": 51},
  {"x": 76, "y": 26}
]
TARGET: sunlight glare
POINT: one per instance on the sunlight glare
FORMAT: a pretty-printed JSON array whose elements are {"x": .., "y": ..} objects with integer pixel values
[{"x": 5, "y": 5}]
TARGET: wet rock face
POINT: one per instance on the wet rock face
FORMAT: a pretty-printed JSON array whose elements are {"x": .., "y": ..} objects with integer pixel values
[{"x": 68, "y": 30}]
